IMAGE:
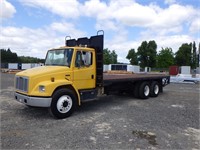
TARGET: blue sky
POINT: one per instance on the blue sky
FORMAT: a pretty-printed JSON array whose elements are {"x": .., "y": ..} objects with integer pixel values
[{"x": 31, "y": 27}]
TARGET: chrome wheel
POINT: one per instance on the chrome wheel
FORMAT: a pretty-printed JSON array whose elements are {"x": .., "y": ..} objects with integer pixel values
[
  {"x": 146, "y": 90},
  {"x": 156, "y": 89},
  {"x": 64, "y": 104}
]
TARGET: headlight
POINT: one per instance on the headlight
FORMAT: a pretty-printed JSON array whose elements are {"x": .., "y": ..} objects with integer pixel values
[{"x": 42, "y": 88}]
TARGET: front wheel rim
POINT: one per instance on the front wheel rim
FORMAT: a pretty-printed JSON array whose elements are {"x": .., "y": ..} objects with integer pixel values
[{"x": 64, "y": 104}]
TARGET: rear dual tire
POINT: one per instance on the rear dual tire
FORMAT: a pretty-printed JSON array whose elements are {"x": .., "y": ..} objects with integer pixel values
[
  {"x": 144, "y": 90},
  {"x": 155, "y": 89}
]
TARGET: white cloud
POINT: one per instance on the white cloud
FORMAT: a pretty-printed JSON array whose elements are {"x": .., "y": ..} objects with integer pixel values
[
  {"x": 153, "y": 16},
  {"x": 135, "y": 15},
  {"x": 195, "y": 26},
  {"x": 66, "y": 28},
  {"x": 158, "y": 31},
  {"x": 17, "y": 40},
  {"x": 7, "y": 10},
  {"x": 173, "y": 41},
  {"x": 132, "y": 14},
  {"x": 170, "y": 1},
  {"x": 127, "y": 13},
  {"x": 35, "y": 42},
  {"x": 94, "y": 8},
  {"x": 40, "y": 40},
  {"x": 66, "y": 9},
  {"x": 164, "y": 25},
  {"x": 122, "y": 48},
  {"x": 175, "y": 15},
  {"x": 106, "y": 25}
]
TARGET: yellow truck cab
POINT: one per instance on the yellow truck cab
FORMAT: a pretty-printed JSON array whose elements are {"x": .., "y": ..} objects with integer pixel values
[
  {"x": 74, "y": 73},
  {"x": 69, "y": 72}
]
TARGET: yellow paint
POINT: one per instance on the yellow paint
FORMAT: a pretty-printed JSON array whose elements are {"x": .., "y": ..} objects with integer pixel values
[
  {"x": 85, "y": 77},
  {"x": 77, "y": 77}
]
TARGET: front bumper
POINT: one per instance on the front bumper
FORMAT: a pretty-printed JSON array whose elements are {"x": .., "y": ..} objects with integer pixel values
[{"x": 33, "y": 101}]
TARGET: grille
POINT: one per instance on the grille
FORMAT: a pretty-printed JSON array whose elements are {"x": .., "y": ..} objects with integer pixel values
[{"x": 22, "y": 84}]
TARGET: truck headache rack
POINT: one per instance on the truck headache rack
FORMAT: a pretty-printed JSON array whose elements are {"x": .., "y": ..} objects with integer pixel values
[{"x": 95, "y": 42}]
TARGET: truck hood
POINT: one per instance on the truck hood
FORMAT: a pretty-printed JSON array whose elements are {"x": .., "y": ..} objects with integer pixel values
[{"x": 33, "y": 72}]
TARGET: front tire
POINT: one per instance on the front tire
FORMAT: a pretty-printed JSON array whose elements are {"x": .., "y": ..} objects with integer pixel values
[{"x": 63, "y": 103}]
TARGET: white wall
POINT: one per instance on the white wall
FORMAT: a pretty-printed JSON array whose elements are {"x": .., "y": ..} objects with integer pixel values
[
  {"x": 36, "y": 65},
  {"x": 12, "y": 66},
  {"x": 105, "y": 68},
  {"x": 133, "y": 68},
  {"x": 198, "y": 70},
  {"x": 185, "y": 69},
  {"x": 147, "y": 69},
  {"x": 26, "y": 66}
]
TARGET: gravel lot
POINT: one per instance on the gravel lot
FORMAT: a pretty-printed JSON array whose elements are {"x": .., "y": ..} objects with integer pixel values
[{"x": 170, "y": 121}]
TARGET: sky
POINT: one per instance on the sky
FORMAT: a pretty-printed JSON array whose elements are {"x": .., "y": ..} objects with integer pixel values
[{"x": 31, "y": 27}]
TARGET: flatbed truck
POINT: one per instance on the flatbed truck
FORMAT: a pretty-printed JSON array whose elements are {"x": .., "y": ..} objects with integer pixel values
[{"x": 74, "y": 73}]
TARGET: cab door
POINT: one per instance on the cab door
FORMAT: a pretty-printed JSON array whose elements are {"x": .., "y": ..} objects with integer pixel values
[{"x": 84, "y": 70}]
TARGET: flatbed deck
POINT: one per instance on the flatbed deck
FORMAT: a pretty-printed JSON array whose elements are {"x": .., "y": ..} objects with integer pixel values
[
  {"x": 132, "y": 77},
  {"x": 133, "y": 82}
]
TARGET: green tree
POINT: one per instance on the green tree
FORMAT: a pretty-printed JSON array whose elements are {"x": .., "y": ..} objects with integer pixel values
[
  {"x": 109, "y": 57},
  {"x": 7, "y": 56},
  {"x": 165, "y": 58},
  {"x": 113, "y": 56},
  {"x": 27, "y": 59},
  {"x": 106, "y": 55},
  {"x": 132, "y": 57},
  {"x": 147, "y": 54},
  {"x": 183, "y": 55},
  {"x": 194, "y": 56}
]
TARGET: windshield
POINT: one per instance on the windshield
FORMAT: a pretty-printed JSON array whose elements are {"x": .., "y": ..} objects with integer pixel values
[{"x": 59, "y": 57}]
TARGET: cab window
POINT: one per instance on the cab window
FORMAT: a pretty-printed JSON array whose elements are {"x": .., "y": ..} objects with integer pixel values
[{"x": 83, "y": 59}]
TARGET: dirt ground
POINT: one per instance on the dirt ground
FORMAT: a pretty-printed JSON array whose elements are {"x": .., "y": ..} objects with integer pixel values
[{"x": 170, "y": 121}]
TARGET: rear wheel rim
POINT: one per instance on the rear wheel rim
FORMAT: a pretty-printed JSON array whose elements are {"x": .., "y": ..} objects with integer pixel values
[
  {"x": 146, "y": 90},
  {"x": 156, "y": 89},
  {"x": 64, "y": 104}
]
